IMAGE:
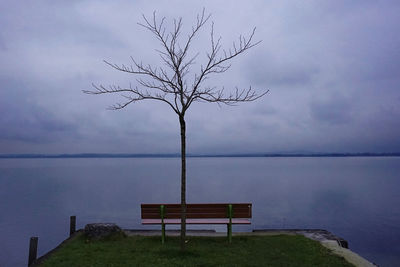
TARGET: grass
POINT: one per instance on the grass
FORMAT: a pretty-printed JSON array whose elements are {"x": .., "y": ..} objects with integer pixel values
[{"x": 279, "y": 250}]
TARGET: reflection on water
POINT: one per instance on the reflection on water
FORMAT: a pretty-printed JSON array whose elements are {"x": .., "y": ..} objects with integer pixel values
[{"x": 355, "y": 198}]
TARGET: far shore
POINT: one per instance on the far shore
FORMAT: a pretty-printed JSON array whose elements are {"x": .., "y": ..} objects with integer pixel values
[{"x": 177, "y": 155}]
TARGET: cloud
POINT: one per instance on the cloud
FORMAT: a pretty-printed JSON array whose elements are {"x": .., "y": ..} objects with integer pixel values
[
  {"x": 332, "y": 68},
  {"x": 23, "y": 120},
  {"x": 333, "y": 110}
]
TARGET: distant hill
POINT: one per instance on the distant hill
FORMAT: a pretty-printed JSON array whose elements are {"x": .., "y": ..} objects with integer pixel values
[{"x": 176, "y": 155}]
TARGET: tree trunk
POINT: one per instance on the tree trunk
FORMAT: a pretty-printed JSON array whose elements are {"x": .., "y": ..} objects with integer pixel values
[{"x": 183, "y": 180}]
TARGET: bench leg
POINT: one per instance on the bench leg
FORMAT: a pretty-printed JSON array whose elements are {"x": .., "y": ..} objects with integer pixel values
[
  {"x": 163, "y": 233},
  {"x": 162, "y": 214},
  {"x": 229, "y": 226},
  {"x": 230, "y": 214}
]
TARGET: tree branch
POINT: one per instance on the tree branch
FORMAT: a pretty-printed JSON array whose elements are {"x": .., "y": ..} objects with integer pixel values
[
  {"x": 171, "y": 85},
  {"x": 138, "y": 95}
]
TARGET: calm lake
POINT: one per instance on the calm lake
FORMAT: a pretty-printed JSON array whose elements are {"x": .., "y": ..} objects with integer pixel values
[{"x": 356, "y": 198}]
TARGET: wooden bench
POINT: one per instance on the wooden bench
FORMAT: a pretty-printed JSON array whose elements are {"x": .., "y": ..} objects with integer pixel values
[{"x": 221, "y": 213}]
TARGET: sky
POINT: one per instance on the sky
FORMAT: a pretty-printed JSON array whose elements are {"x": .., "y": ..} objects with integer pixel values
[{"x": 332, "y": 69}]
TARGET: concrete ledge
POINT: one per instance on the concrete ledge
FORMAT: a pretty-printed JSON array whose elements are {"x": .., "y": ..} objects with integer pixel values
[{"x": 349, "y": 255}]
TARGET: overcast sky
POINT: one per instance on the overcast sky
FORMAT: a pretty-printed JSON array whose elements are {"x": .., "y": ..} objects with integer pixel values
[{"x": 332, "y": 68}]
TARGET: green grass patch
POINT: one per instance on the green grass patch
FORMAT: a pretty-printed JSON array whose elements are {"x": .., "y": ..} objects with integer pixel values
[{"x": 279, "y": 250}]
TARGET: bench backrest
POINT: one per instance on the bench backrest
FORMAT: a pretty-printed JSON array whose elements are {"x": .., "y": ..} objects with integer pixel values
[{"x": 196, "y": 211}]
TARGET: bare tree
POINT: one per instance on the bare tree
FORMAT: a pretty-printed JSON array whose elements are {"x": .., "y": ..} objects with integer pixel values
[{"x": 170, "y": 84}]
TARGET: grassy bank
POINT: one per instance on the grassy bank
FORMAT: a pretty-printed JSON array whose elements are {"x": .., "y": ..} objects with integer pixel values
[{"x": 280, "y": 250}]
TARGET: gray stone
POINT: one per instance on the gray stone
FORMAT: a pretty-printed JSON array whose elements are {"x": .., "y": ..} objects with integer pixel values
[{"x": 100, "y": 230}]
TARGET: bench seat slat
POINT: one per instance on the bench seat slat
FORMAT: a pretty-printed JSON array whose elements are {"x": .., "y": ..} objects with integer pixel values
[
  {"x": 194, "y": 215},
  {"x": 191, "y": 207},
  {"x": 196, "y": 221}
]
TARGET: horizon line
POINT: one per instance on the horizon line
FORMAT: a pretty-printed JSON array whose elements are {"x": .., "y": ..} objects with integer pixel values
[{"x": 198, "y": 155}]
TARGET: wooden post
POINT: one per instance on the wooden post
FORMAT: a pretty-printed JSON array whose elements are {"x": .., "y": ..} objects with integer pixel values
[
  {"x": 33, "y": 243},
  {"x": 72, "y": 225}
]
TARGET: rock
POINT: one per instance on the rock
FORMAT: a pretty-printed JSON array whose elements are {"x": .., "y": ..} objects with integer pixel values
[{"x": 100, "y": 230}]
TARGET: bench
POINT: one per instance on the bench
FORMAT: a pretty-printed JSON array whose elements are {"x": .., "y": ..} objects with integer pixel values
[{"x": 218, "y": 213}]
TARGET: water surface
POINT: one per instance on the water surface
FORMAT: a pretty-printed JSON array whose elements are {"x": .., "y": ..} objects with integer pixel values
[{"x": 356, "y": 198}]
